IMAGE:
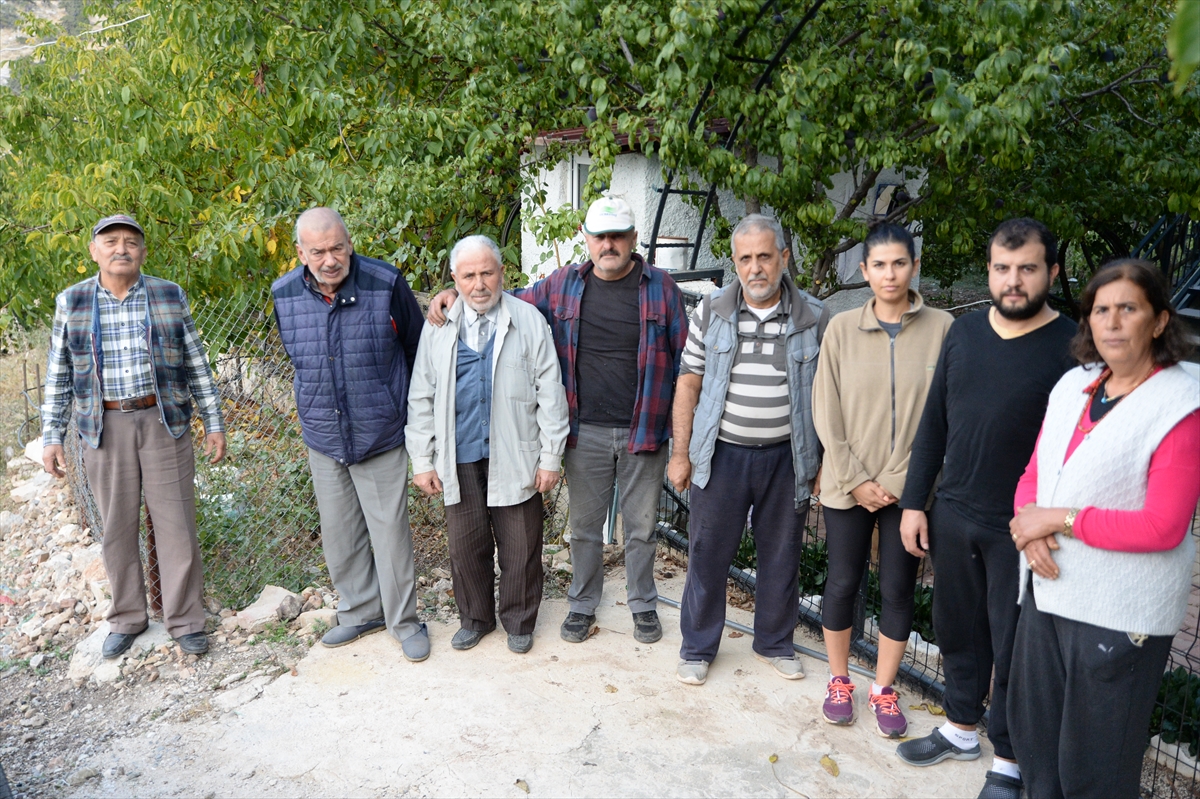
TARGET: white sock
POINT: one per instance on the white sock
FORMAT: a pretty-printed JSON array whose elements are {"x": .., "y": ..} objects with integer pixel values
[
  {"x": 1006, "y": 767},
  {"x": 876, "y": 689},
  {"x": 963, "y": 739}
]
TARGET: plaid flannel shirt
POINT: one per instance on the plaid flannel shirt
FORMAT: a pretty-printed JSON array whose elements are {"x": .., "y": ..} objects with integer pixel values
[
  {"x": 663, "y": 337},
  {"x": 125, "y": 360}
]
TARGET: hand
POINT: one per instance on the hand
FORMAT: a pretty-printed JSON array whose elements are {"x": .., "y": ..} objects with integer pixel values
[
  {"x": 1033, "y": 523},
  {"x": 1037, "y": 555},
  {"x": 438, "y": 305},
  {"x": 545, "y": 480},
  {"x": 54, "y": 460},
  {"x": 914, "y": 532},
  {"x": 215, "y": 443},
  {"x": 872, "y": 496},
  {"x": 679, "y": 471},
  {"x": 815, "y": 488},
  {"x": 428, "y": 482}
]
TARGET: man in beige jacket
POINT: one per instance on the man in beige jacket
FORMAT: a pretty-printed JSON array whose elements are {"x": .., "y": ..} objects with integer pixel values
[{"x": 487, "y": 427}]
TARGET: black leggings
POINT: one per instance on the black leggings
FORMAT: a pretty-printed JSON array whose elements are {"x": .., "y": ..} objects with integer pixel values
[{"x": 848, "y": 536}]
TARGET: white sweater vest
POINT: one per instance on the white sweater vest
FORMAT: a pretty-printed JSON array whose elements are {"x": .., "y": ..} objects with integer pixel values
[{"x": 1125, "y": 591}]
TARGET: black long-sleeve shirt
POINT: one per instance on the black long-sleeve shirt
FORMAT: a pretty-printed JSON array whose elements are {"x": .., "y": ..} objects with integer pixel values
[{"x": 982, "y": 416}]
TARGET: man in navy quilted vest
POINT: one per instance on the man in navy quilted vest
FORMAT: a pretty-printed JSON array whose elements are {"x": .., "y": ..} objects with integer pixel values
[
  {"x": 351, "y": 326},
  {"x": 125, "y": 350}
]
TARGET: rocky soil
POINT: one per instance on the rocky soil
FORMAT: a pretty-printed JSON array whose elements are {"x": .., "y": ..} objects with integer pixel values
[{"x": 60, "y": 703}]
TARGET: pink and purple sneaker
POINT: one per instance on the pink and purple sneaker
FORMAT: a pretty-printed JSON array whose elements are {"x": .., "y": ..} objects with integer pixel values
[
  {"x": 889, "y": 719},
  {"x": 839, "y": 701}
]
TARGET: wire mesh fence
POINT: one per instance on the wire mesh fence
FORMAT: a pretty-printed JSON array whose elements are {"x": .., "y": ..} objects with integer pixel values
[{"x": 258, "y": 524}]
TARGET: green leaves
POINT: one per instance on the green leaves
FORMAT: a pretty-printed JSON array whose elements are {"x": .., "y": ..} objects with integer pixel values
[{"x": 1183, "y": 43}]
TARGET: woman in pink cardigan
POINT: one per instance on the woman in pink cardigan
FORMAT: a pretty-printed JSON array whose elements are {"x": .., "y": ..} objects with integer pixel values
[{"x": 1102, "y": 521}]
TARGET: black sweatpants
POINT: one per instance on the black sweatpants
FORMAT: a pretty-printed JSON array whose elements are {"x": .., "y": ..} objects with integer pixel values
[
  {"x": 975, "y": 612},
  {"x": 741, "y": 478},
  {"x": 1080, "y": 701},
  {"x": 848, "y": 536}
]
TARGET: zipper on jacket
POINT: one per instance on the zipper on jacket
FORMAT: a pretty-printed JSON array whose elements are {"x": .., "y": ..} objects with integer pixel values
[{"x": 892, "y": 347}]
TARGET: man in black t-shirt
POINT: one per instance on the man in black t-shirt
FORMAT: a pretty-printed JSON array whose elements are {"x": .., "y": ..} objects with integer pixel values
[{"x": 979, "y": 429}]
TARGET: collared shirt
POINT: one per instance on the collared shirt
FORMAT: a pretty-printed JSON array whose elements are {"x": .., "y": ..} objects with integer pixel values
[
  {"x": 663, "y": 336},
  {"x": 469, "y": 328},
  {"x": 119, "y": 354},
  {"x": 757, "y": 407},
  {"x": 127, "y": 371}
]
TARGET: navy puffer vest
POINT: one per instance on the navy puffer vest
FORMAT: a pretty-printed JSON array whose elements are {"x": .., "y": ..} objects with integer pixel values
[{"x": 351, "y": 377}]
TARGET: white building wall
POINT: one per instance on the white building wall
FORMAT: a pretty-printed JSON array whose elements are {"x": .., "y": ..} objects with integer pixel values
[{"x": 635, "y": 179}]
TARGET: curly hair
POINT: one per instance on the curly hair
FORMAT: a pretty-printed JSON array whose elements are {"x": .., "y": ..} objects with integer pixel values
[{"x": 1169, "y": 348}]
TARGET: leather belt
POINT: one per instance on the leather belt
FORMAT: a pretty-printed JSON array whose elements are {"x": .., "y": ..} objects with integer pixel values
[{"x": 131, "y": 404}]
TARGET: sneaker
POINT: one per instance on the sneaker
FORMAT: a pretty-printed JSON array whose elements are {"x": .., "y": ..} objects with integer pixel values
[
  {"x": 1001, "y": 786},
  {"x": 646, "y": 627},
  {"x": 933, "y": 748},
  {"x": 692, "y": 672},
  {"x": 889, "y": 719},
  {"x": 416, "y": 646},
  {"x": 345, "y": 633},
  {"x": 466, "y": 639},
  {"x": 520, "y": 643},
  {"x": 787, "y": 668},
  {"x": 576, "y": 627},
  {"x": 839, "y": 702}
]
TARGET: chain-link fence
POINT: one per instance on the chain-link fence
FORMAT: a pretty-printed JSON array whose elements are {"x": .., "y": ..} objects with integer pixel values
[{"x": 256, "y": 513}]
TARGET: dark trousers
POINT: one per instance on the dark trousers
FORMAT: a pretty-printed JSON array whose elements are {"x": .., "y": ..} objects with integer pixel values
[
  {"x": 848, "y": 536},
  {"x": 1080, "y": 701},
  {"x": 742, "y": 478},
  {"x": 974, "y": 617},
  {"x": 477, "y": 533}
]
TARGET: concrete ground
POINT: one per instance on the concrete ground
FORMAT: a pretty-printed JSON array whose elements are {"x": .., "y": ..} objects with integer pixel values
[{"x": 602, "y": 718}]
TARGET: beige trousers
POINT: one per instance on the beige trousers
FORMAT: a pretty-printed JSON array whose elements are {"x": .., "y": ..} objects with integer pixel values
[{"x": 138, "y": 455}]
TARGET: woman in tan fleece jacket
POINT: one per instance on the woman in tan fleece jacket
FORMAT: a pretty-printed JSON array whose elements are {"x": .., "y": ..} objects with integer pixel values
[{"x": 872, "y": 377}]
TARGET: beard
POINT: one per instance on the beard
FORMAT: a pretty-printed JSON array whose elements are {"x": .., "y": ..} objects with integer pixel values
[
  {"x": 763, "y": 295},
  {"x": 1030, "y": 308}
]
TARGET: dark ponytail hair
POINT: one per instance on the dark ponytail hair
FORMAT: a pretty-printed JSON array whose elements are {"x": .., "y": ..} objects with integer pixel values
[{"x": 888, "y": 233}]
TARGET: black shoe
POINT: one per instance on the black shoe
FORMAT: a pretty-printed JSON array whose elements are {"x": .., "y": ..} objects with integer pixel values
[
  {"x": 193, "y": 643},
  {"x": 117, "y": 644},
  {"x": 466, "y": 639},
  {"x": 1001, "y": 786},
  {"x": 576, "y": 627},
  {"x": 520, "y": 643},
  {"x": 345, "y": 633},
  {"x": 646, "y": 626},
  {"x": 933, "y": 748}
]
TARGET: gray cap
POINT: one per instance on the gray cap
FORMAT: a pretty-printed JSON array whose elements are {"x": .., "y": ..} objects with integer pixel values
[{"x": 116, "y": 219}]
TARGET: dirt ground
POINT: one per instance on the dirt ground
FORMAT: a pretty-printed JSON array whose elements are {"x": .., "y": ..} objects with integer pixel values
[{"x": 606, "y": 717}]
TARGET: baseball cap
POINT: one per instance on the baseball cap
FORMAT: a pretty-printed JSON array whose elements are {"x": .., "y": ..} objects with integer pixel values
[
  {"x": 116, "y": 219},
  {"x": 608, "y": 215}
]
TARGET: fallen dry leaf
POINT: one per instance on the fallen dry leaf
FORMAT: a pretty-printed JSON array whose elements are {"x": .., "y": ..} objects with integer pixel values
[
  {"x": 929, "y": 707},
  {"x": 736, "y": 634},
  {"x": 612, "y": 689},
  {"x": 524, "y": 786},
  {"x": 830, "y": 765},
  {"x": 773, "y": 758},
  {"x": 592, "y": 632}
]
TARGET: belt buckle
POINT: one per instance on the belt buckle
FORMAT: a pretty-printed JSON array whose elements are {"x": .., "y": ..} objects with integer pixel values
[{"x": 131, "y": 409}]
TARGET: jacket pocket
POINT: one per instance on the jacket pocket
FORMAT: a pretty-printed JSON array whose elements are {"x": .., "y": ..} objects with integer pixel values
[{"x": 172, "y": 350}]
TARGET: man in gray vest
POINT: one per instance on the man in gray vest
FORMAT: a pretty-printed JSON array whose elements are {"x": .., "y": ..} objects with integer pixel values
[
  {"x": 744, "y": 438},
  {"x": 487, "y": 427},
  {"x": 350, "y": 325}
]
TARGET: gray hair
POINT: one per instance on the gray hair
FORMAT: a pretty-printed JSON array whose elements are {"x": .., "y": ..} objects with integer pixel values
[
  {"x": 320, "y": 219},
  {"x": 756, "y": 223},
  {"x": 473, "y": 243}
]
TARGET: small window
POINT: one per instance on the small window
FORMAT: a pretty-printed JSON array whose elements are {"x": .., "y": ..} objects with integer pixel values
[{"x": 581, "y": 176}]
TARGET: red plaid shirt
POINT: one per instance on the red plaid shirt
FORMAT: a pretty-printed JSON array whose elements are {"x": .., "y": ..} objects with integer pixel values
[{"x": 664, "y": 334}]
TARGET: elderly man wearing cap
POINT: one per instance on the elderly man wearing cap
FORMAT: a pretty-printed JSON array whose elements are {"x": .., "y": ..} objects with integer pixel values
[
  {"x": 125, "y": 349},
  {"x": 619, "y": 328}
]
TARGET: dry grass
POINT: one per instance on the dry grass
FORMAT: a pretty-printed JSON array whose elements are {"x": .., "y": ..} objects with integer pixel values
[{"x": 22, "y": 355}]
